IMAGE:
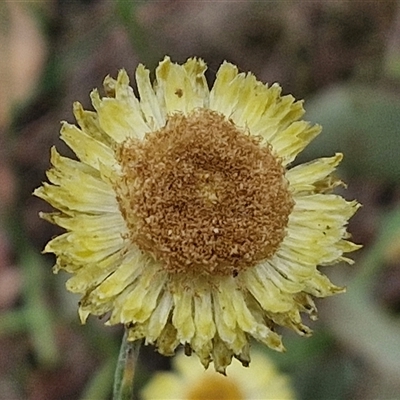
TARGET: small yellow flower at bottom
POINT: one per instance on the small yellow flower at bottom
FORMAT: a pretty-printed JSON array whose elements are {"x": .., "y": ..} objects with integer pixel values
[
  {"x": 184, "y": 218},
  {"x": 189, "y": 381}
]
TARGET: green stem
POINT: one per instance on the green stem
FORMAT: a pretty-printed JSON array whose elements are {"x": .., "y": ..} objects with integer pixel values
[{"x": 125, "y": 372}]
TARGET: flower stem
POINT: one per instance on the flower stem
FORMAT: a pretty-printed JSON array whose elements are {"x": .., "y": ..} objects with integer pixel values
[{"x": 125, "y": 371}]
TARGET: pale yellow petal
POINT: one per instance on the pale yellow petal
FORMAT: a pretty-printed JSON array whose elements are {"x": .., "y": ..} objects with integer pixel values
[
  {"x": 244, "y": 317},
  {"x": 182, "y": 89},
  {"x": 136, "y": 331},
  {"x": 195, "y": 69},
  {"x": 154, "y": 113},
  {"x": 76, "y": 187},
  {"x": 292, "y": 265},
  {"x": 320, "y": 286},
  {"x": 226, "y": 331},
  {"x": 138, "y": 300},
  {"x": 159, "y": 316},
  {"x": 87, "y": 224},
  {"x": 327, "y": 205},
  {"x": 229, "y": 333},
  {"x": 164, "y": 386},
  {"x": 265, "y": 292},
  {"x": 267, "y": 271},
  {"x": 84, "y": 248},
  {"x": 182, "y": 316},
  {"x": 124, "y": 275},
  {"x": 88, "y": 149},
  {"x": 93, "y": 274},
  {"x": 203, "y": 316},
  {"x": 292, "y": 140},
  {"x": 261, "y": 380},
  {"x": 222, "y": 355},
  {"x": 223, "y": 297},
  {"x": 88, "y": 121},
  {"x": 291, "y": 320},
  {"x": 120, "y": 117},
  {"x": 168, "y": 340},
  {"x": 224, "y": 93},
  {"x": 303, "y": 177},
  {"x": 141, "y": 304},
  {"x": 262, "y": 110}
]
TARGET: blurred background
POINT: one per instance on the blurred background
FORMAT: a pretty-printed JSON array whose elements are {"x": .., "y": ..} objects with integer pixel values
[{"x": 342, "y": 57}]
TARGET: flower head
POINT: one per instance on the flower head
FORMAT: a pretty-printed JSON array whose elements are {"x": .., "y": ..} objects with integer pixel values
[
  {"x": 189, "y": 381},
  {"x": 183, "y": 218}
]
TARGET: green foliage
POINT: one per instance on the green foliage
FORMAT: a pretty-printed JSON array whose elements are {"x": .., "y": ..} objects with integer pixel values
[{"x": 363, "y": 122}]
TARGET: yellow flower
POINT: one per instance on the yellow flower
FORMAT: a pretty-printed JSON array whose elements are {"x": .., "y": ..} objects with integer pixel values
[
  {"x": 189, "y": 381},
  {"x": 183, "y": 219}
]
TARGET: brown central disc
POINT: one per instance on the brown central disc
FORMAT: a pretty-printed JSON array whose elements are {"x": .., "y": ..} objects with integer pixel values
[{"x": 202, "y": 196}]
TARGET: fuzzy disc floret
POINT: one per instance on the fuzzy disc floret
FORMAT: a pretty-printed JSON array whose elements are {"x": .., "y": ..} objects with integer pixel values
[{"x": 203, "y": 196}]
